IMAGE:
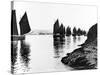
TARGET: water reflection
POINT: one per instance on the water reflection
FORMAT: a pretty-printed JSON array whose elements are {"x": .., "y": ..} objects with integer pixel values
[
  {"x": 79, "y": 38},
  {"x": 14, "y": 47},
  {"x": 74, "y": 39},
  {"x": 68, "y": 42},
  {"x": 25, "y": 53},
  {"x": 24, "y": 56},
  {"x": 58, "y": 44}
]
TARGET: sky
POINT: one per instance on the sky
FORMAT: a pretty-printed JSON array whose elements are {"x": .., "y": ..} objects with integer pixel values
[{"x": 42, "y": 16}]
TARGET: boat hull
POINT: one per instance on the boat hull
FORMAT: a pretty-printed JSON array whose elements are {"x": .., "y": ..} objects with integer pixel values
[{"x": 16, "y": 38}]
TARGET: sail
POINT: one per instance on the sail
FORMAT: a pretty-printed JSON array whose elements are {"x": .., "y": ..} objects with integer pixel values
[
  {"x": 56, "y": 27},
  {"x": 24, "y": 25},
  {"x": 14, "y": 30}
]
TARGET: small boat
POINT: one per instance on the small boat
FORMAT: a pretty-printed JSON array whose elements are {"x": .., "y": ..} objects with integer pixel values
[{"x": 24, "y": 27}]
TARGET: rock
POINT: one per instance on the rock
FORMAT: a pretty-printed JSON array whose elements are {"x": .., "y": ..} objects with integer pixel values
[
  {"x": 92, "y": 34},
  {"x": 84, "y": 57}
]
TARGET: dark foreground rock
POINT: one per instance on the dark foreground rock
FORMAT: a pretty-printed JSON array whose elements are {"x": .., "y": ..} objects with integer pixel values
[{"x": 84, "y": 57}]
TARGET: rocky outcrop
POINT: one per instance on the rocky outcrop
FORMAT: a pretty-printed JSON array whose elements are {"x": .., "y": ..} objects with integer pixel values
[
  {"x": 92, "y": 35},
  {"x": 84, "y": 57}
]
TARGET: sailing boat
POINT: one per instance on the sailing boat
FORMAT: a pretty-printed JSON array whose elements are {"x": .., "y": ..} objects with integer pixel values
[{"x": 24, "y": 27}]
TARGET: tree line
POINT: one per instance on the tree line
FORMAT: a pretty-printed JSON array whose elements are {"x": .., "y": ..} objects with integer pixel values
[{"x": 60, "y": 30}]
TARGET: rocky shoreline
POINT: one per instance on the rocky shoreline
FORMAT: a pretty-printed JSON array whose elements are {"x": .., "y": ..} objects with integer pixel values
[{"x": 84, "y": 57}]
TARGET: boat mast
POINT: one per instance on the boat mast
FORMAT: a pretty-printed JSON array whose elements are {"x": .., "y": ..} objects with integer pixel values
[{"x": 14, "y": 30}]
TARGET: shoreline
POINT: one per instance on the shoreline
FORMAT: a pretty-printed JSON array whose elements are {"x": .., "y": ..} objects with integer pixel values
[{"x": 84, "y": 57}]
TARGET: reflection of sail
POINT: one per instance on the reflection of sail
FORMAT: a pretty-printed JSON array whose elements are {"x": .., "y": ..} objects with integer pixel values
[
  {"x": 25, "y": 53},
  {"x": 68, "y": 42},
  {"x": 24, "y": 25},
  {"x": 62, "y": 42},
  {"x": 79, "y": 38},
  {"x": 74, "y": 39},
  {"x": 58, "y": 44},
  {"x": 13, "y": 55},
  {"x": 14, "y": 30}
]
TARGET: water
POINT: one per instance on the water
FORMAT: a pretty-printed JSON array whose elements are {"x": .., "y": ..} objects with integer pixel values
[{"x": 42, "y": 53}]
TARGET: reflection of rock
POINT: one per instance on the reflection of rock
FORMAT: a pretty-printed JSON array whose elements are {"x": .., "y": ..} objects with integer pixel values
[{"x": 86, "y": 56}]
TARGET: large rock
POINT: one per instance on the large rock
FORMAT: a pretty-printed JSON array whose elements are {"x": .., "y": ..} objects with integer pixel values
[
  {"x": 92, "y": 34},
  {"x": 86, "y": 56}
]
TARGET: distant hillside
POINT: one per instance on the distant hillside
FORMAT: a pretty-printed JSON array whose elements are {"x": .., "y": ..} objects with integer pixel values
[{"x": 40, "y": 32}]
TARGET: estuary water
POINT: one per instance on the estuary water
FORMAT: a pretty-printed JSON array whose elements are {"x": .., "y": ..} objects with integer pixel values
[{"x": 42, "y": 53}]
